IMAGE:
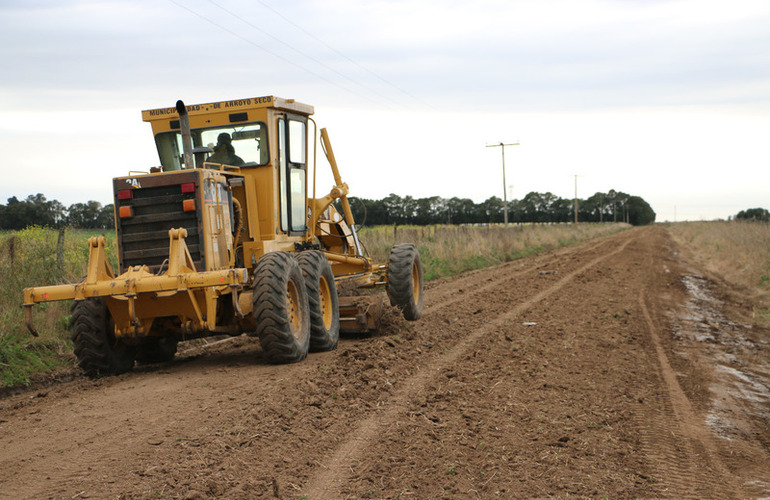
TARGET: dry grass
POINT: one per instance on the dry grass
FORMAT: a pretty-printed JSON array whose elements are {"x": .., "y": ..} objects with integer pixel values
[
  {"x": 739, "y": 252},
  {"x": 449, "y": 250}
]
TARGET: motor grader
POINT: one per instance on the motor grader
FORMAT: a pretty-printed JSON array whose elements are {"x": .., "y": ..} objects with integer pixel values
[{"x": 227, "y": 237}]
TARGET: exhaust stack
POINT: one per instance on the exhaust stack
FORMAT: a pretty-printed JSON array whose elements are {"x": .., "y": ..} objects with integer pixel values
[{"x": 184, "y": 126}]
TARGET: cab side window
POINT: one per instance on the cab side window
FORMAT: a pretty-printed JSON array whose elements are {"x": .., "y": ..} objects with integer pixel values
[{"x": 292, "y": 137}]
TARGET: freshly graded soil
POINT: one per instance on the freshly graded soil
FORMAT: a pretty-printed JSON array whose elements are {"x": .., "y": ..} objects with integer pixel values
[{"x": 609, "y": 369}]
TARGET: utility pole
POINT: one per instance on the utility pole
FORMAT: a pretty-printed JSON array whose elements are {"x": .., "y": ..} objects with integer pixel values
[
  {"x": 601, "y": 211},
  {"x": 576, "y": 202},
  {"x": 505, "y": 189}
]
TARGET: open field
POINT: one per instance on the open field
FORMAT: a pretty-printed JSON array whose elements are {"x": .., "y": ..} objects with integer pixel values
[
  {"x": 39, "y": 256},
  {"x": 614, "y": 368},
  {"x": 738, "y": 252}
]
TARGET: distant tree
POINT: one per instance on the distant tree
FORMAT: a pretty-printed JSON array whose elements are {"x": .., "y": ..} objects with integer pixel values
[
  {"x": 408, "y": 209},
  {"x": 34, "y": 210},
  {"x": 429, "y": 210},
  {"x": 531, "y": 206},
  {"x": 595, "y": 209},
  {"x": 368, "y": 212},
  {"x": 461, "y": 210},
  {"x": 491, "y": 211},
  {"x": 394, "y": 207},
  {"x": 106, "y": 219},
  {"x": 562, "y": 210},
  {"x": 616, "y": 203},
  {"x": 85, "y": 215},
  {"x": 757, "y": 214},
  {"x": 640, "y": 213},
  {"x": 543, "y": 207}
]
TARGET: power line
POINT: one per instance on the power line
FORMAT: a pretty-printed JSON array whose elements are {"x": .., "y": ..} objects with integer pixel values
[
  {"x": 265, "y": 49},
  {"x": 382, "y": 79},
  {"x": 298, "y": 51}
]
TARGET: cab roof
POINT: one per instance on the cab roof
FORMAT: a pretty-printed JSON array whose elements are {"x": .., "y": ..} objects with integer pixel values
[{"x": 246, "y": 104}]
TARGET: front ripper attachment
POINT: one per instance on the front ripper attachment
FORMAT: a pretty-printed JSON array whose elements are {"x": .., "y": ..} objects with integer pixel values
[{"x": 137, "y": 297}]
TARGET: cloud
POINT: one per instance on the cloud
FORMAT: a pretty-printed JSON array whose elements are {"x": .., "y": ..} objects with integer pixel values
[{"x": 410, "y": 87}]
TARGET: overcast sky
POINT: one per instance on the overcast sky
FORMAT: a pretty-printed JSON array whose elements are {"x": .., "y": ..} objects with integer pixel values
[{"x": 664, "y": 99}]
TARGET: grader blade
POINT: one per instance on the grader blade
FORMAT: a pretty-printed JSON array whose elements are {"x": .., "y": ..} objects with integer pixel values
[{"x": 361, "y": 314}]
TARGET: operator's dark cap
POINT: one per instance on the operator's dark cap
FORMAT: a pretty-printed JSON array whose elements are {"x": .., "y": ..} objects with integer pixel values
[{"x": 224, "y": 138}]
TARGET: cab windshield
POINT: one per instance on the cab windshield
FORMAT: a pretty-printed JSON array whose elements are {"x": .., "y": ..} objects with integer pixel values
[{"x": 244, "y": 145}]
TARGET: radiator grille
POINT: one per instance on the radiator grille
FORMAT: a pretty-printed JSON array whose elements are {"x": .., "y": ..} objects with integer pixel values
[{"x": 143, "y": 237}]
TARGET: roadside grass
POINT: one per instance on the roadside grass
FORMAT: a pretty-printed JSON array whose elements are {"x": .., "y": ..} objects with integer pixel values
[
  {"x": 737, "y": 251},
  {"x": 450, "y": 250},
  {"x": 35, "y": 257}
]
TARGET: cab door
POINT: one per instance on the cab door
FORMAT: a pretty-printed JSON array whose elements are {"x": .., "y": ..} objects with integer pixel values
[{"x": 292, "y": 177}]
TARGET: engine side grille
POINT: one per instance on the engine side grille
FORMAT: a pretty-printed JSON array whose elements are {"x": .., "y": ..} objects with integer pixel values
[{"x": 143, "y": 237}]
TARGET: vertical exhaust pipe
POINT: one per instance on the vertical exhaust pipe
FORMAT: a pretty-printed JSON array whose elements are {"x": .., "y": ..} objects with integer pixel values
[{"x": 184, "y": 126}]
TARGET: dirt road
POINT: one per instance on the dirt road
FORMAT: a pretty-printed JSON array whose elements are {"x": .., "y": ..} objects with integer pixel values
[{"x": 609, "y": 369}]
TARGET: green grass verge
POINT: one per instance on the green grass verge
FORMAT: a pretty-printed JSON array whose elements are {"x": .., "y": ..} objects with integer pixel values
[{"x": 22, "y": 356}]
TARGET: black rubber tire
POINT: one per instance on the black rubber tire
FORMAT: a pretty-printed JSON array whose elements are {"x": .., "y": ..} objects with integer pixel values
[
  {"x": 323, "y": 300},
  {"x": 156, "y": 350},
  {"x": 405, "y": 280},
  {"x": 281, "y": 310},
  {"x": 98, "y": 352}
]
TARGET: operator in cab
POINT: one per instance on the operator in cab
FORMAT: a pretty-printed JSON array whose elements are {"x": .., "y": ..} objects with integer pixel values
[{"x": 224, "y": 152}]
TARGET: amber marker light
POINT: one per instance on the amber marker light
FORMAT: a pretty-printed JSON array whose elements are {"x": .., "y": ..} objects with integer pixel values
[
  {"x": 126, "y": 212},
  {"x": 188, "y": 205}
]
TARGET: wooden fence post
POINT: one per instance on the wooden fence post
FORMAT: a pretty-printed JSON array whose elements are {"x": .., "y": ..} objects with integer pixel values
[
  {"x": 12, "y": 248},
  {"x": 60, "y": 248}
]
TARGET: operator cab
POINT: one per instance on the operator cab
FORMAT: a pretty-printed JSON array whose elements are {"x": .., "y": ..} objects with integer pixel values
[
  {"x": 252, "y": 124},
  {"x": 257, "y": 147},
  {"x": 249, "y": 143}
]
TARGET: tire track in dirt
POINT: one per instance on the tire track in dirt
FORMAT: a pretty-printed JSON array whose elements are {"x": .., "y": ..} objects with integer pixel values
[
  {"x": 679, "y": 433},
  {"x": 565, "y": 400},
  {"x": 326, "y": 483}
]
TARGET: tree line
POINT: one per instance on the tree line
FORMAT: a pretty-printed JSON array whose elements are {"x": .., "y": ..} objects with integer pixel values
[
  {"x": 755, "y": 214},
  {"x": 36, "y": 210},
  {"x": 613, "y": 206}
]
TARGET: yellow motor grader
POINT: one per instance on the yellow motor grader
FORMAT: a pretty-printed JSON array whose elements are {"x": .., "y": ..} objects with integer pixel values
[{"x": 224, "y": 238}]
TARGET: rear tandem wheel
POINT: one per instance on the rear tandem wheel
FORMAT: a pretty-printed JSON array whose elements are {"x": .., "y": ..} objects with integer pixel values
[{"x": 323, "y": 300}]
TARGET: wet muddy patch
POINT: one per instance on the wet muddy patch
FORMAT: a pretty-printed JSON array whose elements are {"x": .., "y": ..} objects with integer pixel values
[{"x": 738, "y": 354}]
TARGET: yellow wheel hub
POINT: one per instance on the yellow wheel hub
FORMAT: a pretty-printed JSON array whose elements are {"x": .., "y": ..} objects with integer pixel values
[
  {"x": 326, "y": 302},
  {"x": 295, "y": 311},
  {"x": 416, "y": 283}
]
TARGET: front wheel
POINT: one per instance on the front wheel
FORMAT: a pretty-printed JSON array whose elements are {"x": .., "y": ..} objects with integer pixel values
[
  {"x": 323, "y": 300},
  {"x": 281, "y": 309},
  {"x": 99, "y": 353},
  {"x": 405, "y": 280}
]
